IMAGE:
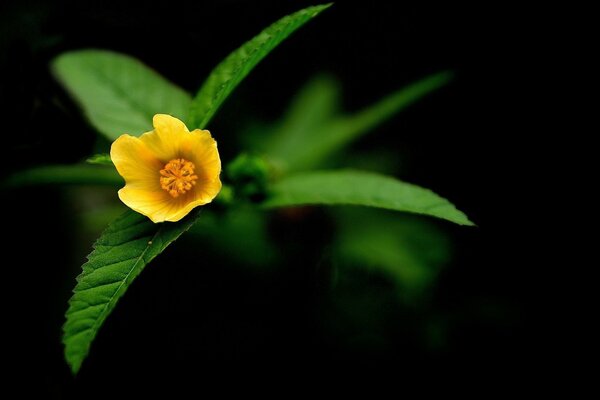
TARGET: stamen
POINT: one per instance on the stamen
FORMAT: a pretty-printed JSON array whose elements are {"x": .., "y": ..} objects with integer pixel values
[{"x": 178, "y": 176}]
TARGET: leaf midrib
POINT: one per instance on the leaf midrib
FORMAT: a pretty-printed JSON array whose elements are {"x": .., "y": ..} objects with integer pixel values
[{"x": 96, "y": 325}]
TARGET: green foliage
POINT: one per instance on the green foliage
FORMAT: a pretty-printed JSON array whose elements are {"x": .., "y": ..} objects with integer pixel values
[
  {"x": 312, "y": 108},
  {"x": 77, "y": 174},
  {"x": 250, "y": 175},
  {"x": 361, "y": 189},
  {"x": 119, "y": 255},
  {"x": 216, "y": 230},
  {"x": 231, "y": 71},
  {"x": 100, "y": 159},
  {"x": 407, "y": 249},
  {"x": 117, "y": 93},
  {"x": 120, "y": 95},
  {"x": 300, "y": 144}
]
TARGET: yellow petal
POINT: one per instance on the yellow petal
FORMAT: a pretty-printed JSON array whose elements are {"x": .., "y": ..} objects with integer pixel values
[
  {"x": 135, "y": 162},
  {"x": 165, "y": 140},
  {"x": 201, "y": 149},
  {"x": 140, "y": 160},
  {"x": 158, "y": 206},
  {"x": 205, "y": 191},
  {"x": 177, "y": 212}
]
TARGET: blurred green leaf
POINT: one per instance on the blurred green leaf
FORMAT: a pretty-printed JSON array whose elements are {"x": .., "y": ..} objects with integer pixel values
[
  {"x": 380, "y": 159},
  {"x": 96, "y": 218},
  {"x": 407, "y": 249},
  {"x": 117, "y": 93},
  {"x": 302, "y": 147},
  {"x": 239, "y": 234},
  {"x": 361, "y": 189},
  {"x": 249, "y": 175},
  {"x": 100, "y": 159},
  {"x": 119, "y": 255},
  {"x": 231, "y": 71},
  {"x": 314, "y": 106},
  {"x": 78, "y": 174}
]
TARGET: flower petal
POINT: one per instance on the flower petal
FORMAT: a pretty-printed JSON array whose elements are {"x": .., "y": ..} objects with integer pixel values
[
  {"x": 158, "y": 206},
  {"x": 201, "y": 149},
  {"x": 176, "y": 213},
  {"x": 140, "y": 160},
  {"x": 135, "y": 162},
  {"x": 165, "y": 140}
]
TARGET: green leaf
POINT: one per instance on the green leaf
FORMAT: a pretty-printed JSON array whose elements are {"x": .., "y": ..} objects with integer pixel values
[
  {"x": 77, "y": 174},
  {"x": 231, "y": 71},
  {"x": 119, "y": 255},
  {"x": 311, "y": 109},
  {"x": 100, "y": 159},
  {"x": 216, "y": 231},
  {"x": 321, "y": 142},
  {"x": 118, "y": 93},
  {"x": 407, "y": 249},
  {"x": 361, "y": 189}
]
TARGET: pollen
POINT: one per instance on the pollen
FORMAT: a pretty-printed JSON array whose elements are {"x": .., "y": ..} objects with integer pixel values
[{"x": 177, "y": 177}]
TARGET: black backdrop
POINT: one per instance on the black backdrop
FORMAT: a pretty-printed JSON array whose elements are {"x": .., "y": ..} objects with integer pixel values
[{"x": 463, "y": 141}]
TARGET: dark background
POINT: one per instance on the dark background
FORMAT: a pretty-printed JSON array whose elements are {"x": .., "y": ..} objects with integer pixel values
[{"x": 188, "y": 318}]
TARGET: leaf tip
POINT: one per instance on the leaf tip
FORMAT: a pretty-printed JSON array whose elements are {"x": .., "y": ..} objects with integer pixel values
[
  {"x": 463, "y": 220},
  {"x": 74, "y": 361},
  {"x": 75, "y": 368},
  {"x": 319, "y": 8},
  {"x": 445, "y": 76},
  {"x": 99, "y": 159},
  {"x": 437, "y": 80},
  {"x": 468, "y": 222}
]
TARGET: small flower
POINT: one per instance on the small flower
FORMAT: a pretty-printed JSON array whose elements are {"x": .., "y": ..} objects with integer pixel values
[{"x": 167, "y": 171}]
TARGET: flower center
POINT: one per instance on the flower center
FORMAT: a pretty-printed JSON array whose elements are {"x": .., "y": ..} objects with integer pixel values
[{"x": 177, "y": 177}]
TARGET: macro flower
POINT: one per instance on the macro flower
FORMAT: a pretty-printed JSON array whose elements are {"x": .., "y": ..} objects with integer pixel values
[{"x": 167, "y": 171}]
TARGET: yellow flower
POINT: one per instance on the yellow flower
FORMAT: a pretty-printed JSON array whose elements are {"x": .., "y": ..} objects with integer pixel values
[{"x": 167, "y": 171}]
